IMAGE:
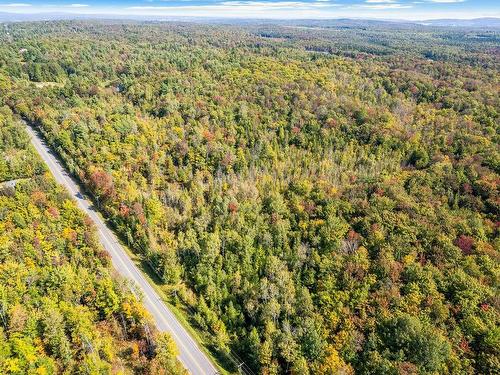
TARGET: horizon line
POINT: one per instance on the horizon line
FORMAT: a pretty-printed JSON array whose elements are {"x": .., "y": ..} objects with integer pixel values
[{"x": 73, "y": 12}]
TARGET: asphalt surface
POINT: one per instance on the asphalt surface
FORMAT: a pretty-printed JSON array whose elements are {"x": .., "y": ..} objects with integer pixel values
[{"x": 193, "y": 359}]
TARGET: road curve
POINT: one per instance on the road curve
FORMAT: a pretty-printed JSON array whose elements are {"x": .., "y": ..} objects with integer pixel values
[{"x": 193, "y": 359}]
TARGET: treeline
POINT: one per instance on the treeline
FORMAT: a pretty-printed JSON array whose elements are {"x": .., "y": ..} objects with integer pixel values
[
  {"x": 61, "y": 308},
  {"x": 319, "y": 213}
]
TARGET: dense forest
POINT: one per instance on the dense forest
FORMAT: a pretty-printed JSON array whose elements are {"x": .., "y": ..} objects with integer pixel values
[
  {"x": 61, "y": 308},
  {"x": 323, "y": 198}
]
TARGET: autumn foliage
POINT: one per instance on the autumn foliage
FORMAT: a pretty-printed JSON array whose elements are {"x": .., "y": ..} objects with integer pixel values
[{"x": 319, "y": 197}]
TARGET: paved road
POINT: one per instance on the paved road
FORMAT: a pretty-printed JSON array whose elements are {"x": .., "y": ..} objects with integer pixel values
[{"x": 195, "y": 361}]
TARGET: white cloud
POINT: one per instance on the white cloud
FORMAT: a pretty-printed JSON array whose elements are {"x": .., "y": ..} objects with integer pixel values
[
  {"x": 15, "y": 5},
  {"x": 271, "y": 9},
  {"x": 245, "y": 9},
  {"x": 446, "y": 1},
  {"x": 230, "y": 7},
  {"x": 383, "y": 6},
  {"x": 272, "y": 5},
  {"x": 77, "y": 5}
]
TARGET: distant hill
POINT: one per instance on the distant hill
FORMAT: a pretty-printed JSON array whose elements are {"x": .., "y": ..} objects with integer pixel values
[
  {"x": 487, "y": 22},
  {"x": 476, "y": 22}
]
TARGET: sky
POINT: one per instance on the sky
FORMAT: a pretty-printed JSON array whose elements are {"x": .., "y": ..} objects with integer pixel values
[{"x": 279, "y": 9}]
